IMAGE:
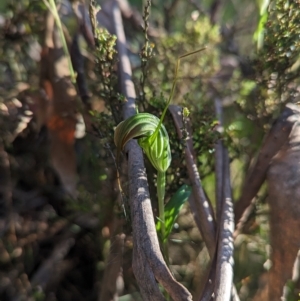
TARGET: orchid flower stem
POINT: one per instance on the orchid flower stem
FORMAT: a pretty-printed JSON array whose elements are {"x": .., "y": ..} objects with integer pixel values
[
  {"x": 161, "y": 187},
  {"x": 154, "y": 140},
  {"x": 161, "y": 183}
]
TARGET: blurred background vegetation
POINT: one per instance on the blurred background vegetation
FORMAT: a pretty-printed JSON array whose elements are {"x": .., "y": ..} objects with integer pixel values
[{"x": 251, "y": 63}]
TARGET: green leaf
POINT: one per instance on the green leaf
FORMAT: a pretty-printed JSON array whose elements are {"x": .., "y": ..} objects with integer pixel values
[{"x": 172, "y": 209}]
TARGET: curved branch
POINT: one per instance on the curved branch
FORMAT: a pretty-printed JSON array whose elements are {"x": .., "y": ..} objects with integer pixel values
[
  {"x": 204, "y": 215},
  {"x": 224, "y": 271},
  {"x": 274, "y": 140},
  {"x": 148, "y": 262}
]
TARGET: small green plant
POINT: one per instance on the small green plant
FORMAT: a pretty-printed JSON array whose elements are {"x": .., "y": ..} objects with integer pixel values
[
  {"x": 154, "y": 140},
  {"x": 105, "y": 60}
]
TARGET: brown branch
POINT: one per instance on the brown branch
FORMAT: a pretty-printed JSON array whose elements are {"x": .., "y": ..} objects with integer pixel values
[
  {"x": 283, "y": 197},
  {"x": 204, "y": 211},
  {"x": 219, "y": 168},
  {"x": 220, "y": 277},
  {"x": 277, "y": 136},
  {"x": 78, "y": 64},
  {"x": 77, "y": 58},
  {"x": 224, "y": 271},
  {"x": 83, "y": 20},
  {"x": 243, "y": 220},
  {"x": 224, "y": 264},
  {"x": 148, "y": 262}
]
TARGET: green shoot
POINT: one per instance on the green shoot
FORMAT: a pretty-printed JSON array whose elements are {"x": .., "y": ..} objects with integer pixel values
[{"x": 154, "y": 140}]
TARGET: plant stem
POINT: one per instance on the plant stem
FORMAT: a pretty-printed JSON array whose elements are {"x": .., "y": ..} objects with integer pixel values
[
  {"x": 161, "y": 187},
  {"x": 154, "y": 135},
  {"x": 161, "y": 183}
]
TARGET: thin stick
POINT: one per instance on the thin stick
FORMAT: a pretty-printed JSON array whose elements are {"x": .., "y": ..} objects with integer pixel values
[{"x": 52, "y": 7}]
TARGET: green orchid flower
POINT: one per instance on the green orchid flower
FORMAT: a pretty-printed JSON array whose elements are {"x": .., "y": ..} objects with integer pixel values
[{"x": 154, "y": 140}]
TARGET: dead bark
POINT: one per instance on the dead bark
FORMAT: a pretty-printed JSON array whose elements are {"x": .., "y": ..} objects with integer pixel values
[
  {"x": 278, "y": 163},
  {"x": 283, "y": 179},
  {"x": 274, "y": 140}
]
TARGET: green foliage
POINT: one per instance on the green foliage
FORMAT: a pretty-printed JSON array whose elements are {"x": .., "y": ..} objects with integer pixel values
[
  {"x": 146, "y": 53},
  {"x": 172, "y": 209},
  {"x": 252, "y": 100},
  {"x": 154, "y": 140},
  {"x": 194, "y": 70},
  {"x": 192, "y": 88},
  {"x": 282, "y": 39},
  {"x": 277, "y": 66},
  {"x": 105, "y": 60},
  {"x": 105, "y": 45},
  {"x": 19, "y": 49}
]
